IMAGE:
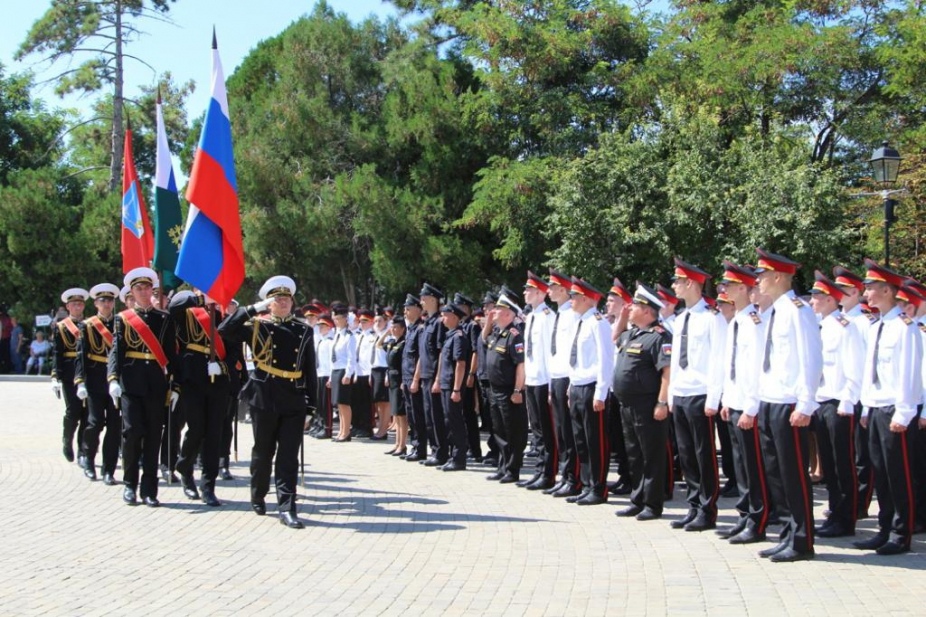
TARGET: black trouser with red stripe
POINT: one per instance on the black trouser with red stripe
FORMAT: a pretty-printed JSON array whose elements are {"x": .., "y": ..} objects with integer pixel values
[
  {"x": 784, "y": 451},
  {"x": 590, "y": 428},
  {"x": 645, "y": 440},
  {"x": 538, "y": 407},
  {"x": 836, "y": 446},
  {"x": 754, "y": 500},
  {"x": 697, "y": 453},
  {"x": 890, "y": 458},
  {"x": 562, "y": 425}
]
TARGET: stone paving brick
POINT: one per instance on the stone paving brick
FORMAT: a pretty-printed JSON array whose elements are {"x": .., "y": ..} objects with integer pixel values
[{"x": 386, "y": 537}]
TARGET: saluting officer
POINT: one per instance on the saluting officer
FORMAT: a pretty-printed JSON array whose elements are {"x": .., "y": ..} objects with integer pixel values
[
  {"x": 453, "y": 367},
  {"x": 139, "y": 375},
  {"x": 789, "y": 374},
  {"x": 203, "y": 376},
  {"x": 505, "y": 369},
  {"x": 93, "y": 346},
  {"x": 591, "y": 361},
  {"x": 65, "y": 335},
  {"x": 641, "y": 386},
  {"x": 280, "y": 391},
  {"x": 892, "y": 388}
]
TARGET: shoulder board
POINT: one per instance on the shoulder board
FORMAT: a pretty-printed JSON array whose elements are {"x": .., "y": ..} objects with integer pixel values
[
  {"x": 755, "y": 317},
  {"x": 459, "y": 332},
  {"x": 904, "y": 318},
  {"x": 842, "y": 320},
  {"x": 599, "y": 316},
  {"x": 923, "y": 327},
  {"x": 658, "y": 329},
  {"x": 546, "y": 311},
  {"x": 515, "y": 332},
  {"x": 715, "y": 310},
  {"x": 871, "y": 317},
  {"x": 798, "y": 303}
]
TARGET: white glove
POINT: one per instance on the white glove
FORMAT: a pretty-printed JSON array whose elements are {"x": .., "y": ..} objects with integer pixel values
[
  {"x": 115, "y": 391},
  {"x": 214, "y": 368},
  {"x": 56, "y": 387},
  {"x": 82, "y": 392},
  {"x": 263, "y": 305},
  {"x": 174, "y": 397}
]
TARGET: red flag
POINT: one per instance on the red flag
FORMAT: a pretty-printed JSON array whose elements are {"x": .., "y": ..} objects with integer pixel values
[{"x": 137, "y": 242}]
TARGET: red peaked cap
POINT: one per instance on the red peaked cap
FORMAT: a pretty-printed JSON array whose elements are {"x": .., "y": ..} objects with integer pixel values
[
  {"x": 667, "y": 295},
  {"x": 770, "y": 262},
  {"x": 847, "y": 278},
  {"x": 558, "y": 278},
  {"x": 618, "y": 289},
  {"x": 911, "y": 295},
  {"x": 685, "y": 270},
  {"x": 583, "y": 288},
  {"x": 733, "y": 273},
  {"x": 823, "y": 285},
  {"x": 536, "y": 282},
  {"x": 876, "y": 273}
]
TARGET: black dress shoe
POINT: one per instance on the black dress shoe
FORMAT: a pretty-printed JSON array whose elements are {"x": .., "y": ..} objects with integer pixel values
[
  {"x": 747, "y": 536},
  {"x": 390, "y": 452},
  {"x": 575, "y": 498},
  {"x": 509, "y": 478},
  {"x": 892, "y": 548},
  {"x": 289, "y": 519},
  {"x": 454, "y": 466},
  {"x": 259, "y": 507},
  {"x": 774, "y": 550},
  {"x": 568, "y": 490},
  {"x": 541, "y": 484},
  {"x": 836, "y": 530},
  {"x": 82, "y": 461},
  {"x": 128, "y": 496},
  {"x": 648, "y": 514},
  {"x": 495, "y": 476},
  {"x": 684, "y": 520},
  {"x": 108, "y": 479},
  {"x": 434, "y": 462},
  {"x": 621, "y": 487},
  {"x": 490, "y": 461},
  {"x": 400, "y": 453},
  {"x": 531, "y": 480},
  {"x": 592, "y": 499},
  {"x": 152, "y": 502},
  {"x": 631, "y": 510},
  {"x": 414, "y": 457},
  {"x": 210, "y": 499},
  {"x": 789, "y": 554},
  {"x": 554, "y": 488},
  {"x": 700, "y": 523},
  {"x": 341, "y": 439},
  {"x": 361, "y": 434},
  {"x": 90, "y": 473},
  {"x": 873, "y": 543},
  {"x": 189, "y": 487},
  {"x": 68, "y": 452},
  {"x": 532, "y": 453},
  {"x": 225, "y": 474},
  {"x": 729, "y": 532}
]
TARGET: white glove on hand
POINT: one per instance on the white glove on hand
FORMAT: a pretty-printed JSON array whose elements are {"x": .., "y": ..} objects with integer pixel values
[
  {"x": 214, "y": 368},
  {"x": 56, "y": 387},
  {"x": 263, "y": 305},
  {"x": 82, "y": 392},
  {"x": 174, "y": 397},
  {"x": 115, "y": 391}
]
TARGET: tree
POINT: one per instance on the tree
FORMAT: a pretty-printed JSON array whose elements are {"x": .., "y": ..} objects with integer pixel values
[{"x": 100, "y": 29}]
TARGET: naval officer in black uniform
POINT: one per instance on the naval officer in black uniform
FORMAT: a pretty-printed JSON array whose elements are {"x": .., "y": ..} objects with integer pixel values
[{"x": 64, "y": 336}]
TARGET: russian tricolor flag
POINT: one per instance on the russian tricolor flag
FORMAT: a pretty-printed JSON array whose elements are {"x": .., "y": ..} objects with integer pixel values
[{"x": 211, "y": 253}]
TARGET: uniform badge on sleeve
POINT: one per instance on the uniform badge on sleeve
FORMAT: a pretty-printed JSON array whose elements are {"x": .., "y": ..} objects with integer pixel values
[
  {"x": 667, "y": 349},
  {"x": 519, "y": 348}
]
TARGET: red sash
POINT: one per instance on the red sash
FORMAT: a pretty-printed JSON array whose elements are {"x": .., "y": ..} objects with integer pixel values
[
  {"x": 131, "y": 318},
  {"x": 71, "y": 326},
  {"x": 104, "y": 332},
  {"x": 202, "y": 316}
]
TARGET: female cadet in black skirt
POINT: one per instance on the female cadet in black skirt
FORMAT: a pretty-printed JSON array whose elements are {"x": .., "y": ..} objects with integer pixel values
[{"x": 394, "y": 348}]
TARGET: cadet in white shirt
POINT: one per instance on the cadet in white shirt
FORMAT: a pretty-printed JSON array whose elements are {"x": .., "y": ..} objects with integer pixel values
[
  {"x": 892, "y": 388},
  {"x": 694, "y": 395},
  {"x": 343, "y": 366},
  {"x": 361, "y": 401},
  {"x": 322, "y": 422},
  {"x": 914, "y": 293},
  {"x": 839, "y": 392},
  {"x": 789, "y": 373}
]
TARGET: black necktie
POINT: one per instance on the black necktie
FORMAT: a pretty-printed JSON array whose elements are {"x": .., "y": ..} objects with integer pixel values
[
  {"x": 683, "y": 353},
  {"x": 334, "y": 348},
  {"x": 555, "y": 326},
  {"x": 530, "y": 343},
  {"x": 767, "y": 362},
  {"x": 736, "y": 329},
  {"x": 574, "y": 354},
  {"x": 874, "y": 365}
]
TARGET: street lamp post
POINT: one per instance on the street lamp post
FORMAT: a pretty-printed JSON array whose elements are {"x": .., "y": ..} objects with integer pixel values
[{"x": 885, "y": 164}]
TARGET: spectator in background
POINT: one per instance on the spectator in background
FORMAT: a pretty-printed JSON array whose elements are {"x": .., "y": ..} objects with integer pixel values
[
  {"x": 6, "y": 331},
  {"x": 16, "y": 346},
  {"x": 38, "y": 351}
]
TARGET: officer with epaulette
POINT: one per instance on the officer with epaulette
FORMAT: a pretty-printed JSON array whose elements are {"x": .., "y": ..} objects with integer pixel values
[
  {"x": 93, "y": 347},
  {"x": 892, "y": 388},
  {"x": 641, "y": 386},
  {"x": 505, "y": 370},
  {"x": 65, "y": 335},
  {"x": 790, "y": 367},
  {"x": 203, "y": 378},
  {"x": 472, "y": 331},
  {"x": 429, "y": 346},
  {"x": 280, "y": 392},
  {"x": 139, "y": 375},
  {"x": 414, "y": 406},
  {"x": 538, "y": 335},
  {"x": 453, "y": 366}
]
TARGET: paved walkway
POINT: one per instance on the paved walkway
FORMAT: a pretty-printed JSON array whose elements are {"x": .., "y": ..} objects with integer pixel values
[{"x": 385, "y": 537}]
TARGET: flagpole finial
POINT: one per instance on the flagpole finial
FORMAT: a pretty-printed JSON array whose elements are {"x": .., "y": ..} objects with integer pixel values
[{"x": 214, "y": 44}]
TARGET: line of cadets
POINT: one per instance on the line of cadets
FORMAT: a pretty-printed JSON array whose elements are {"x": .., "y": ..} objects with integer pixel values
[{"x": 571, "y": 376}]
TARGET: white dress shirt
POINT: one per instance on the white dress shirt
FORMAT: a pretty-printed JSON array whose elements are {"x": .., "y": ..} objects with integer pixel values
[
  {"x": 843, "y": 360},
  {"x": 344, "y": 352},
  {"x": 704, "y": 375},
  {"x": 538, "y": 334},
  {"x": 740, "y": 375},
  {"x": 899, "y": 360},
  {"x": 563, "y": 328},
  {"x": 323, "y": 353},
  {"x": 594, "y": 353}
]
